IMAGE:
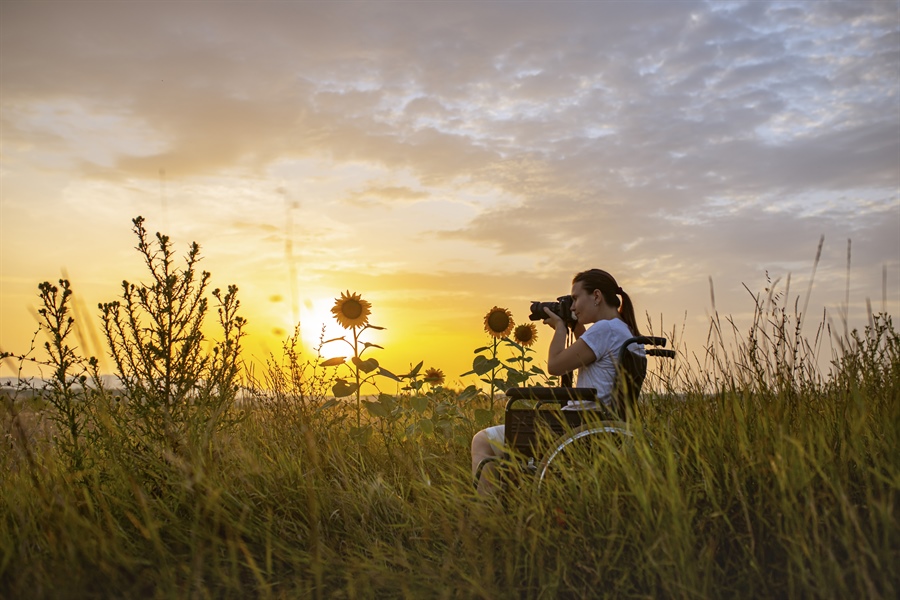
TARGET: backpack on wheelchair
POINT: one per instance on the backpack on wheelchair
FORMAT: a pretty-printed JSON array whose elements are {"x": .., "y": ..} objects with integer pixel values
[{"x": 538, "y": 432}]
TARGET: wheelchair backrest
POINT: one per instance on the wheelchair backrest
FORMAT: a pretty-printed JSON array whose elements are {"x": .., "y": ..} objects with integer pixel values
[{"x": 632, "y": 370}]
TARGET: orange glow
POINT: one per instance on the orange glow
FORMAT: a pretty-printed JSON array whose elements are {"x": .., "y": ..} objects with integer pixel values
[{"x": 439, "y": 179}]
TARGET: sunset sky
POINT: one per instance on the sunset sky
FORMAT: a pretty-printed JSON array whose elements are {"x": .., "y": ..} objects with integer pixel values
[{"x": 441, "y": 158}]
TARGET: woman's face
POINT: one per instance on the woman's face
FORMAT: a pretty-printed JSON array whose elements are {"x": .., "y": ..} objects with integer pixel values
[{"x": 584, "y": 305}]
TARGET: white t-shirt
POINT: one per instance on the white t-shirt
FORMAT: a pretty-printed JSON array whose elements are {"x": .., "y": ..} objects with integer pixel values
[{"x": 604, "y": 338}]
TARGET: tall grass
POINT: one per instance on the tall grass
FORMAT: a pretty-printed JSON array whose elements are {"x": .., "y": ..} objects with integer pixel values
[{"x": 751, "y": 474}]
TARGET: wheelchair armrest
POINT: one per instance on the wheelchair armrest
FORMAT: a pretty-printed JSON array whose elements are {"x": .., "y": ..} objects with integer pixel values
[
  {"x": 556, "y": 395},
  {"x": 659, "y": 352}
]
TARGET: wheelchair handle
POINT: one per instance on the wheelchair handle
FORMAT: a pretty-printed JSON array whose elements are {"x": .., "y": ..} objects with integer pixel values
[
  {"x": 659, "y": 352},
  {"x": 646, "y": 340},
  {"x": 649, "y": 340}
]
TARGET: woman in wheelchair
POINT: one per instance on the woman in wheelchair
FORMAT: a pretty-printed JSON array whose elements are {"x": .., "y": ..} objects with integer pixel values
[{"x": 596, "y": 299}]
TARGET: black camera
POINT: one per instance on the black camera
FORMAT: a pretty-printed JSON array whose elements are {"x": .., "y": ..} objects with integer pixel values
[{"x": 562, "y": 307}]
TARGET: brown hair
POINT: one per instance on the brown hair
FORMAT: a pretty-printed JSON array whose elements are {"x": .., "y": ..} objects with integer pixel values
[{"x": 596, "y": 279}]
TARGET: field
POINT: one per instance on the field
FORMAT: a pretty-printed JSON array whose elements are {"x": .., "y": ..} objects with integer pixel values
[{"x": 754, "y": 472}]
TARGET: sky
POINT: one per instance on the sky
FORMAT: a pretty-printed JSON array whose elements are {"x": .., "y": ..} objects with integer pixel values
[{"x": 441, "y": 158}]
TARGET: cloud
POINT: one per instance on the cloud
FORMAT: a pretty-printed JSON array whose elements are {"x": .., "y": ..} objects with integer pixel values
[
  {"x": 693, "y": 139},
  {"x": 386, "y": 195}
]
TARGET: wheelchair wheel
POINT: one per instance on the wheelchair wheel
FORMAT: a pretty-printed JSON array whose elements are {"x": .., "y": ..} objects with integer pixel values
[{"x": 573, "y": 456}]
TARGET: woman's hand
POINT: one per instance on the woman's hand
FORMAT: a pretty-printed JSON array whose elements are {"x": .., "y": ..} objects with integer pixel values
[
  {"x": 562, "y": 359},
  {"x": 553, "y": 319}
]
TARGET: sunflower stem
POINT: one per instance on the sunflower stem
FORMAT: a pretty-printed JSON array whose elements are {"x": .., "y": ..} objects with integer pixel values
[
  {"x": 356, "y": 374},
  {"x": 495, "y": 343}
]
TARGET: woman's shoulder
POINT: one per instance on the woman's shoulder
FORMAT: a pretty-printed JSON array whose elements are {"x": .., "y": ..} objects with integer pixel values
[
  {"x": 610, "y": 332},
  {"x": 610, "y": 326},
  {"x": 606, "y": 334}
]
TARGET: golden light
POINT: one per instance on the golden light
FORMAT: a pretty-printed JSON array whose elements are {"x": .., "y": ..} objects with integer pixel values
[{"x": 317, "y": 324}]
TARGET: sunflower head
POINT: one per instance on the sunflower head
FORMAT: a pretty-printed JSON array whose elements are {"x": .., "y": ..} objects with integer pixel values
[
  {"x": 350, "y": 310},
  {"x": 525, "y": 335},
  {"x": 498, "y": 322},
  {"x": 434, "y": 376}
]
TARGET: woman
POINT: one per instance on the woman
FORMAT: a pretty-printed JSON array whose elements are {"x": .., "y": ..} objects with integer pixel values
[{"x": 596, "y": 299}]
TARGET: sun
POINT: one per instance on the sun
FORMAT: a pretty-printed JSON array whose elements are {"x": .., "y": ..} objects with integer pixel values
[{"x": 315, "y": 314}]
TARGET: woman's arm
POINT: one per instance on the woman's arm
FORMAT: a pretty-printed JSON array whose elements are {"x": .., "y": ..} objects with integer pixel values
[{"x": 561, "y": 359}]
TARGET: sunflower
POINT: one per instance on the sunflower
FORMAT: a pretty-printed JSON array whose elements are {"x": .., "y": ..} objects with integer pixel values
[
  {"x": 350, "y": 310},
  {"x": 525, "y": 335},
  {"x": 498, "y": 322},
  {"x": 434, "y": 376}
]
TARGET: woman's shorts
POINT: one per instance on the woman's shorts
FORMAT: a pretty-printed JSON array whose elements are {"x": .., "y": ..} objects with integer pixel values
[{"x": 497, "y": 434}]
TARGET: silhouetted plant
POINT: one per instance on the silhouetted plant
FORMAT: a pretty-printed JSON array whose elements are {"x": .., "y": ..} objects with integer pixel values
[
  {"x": 498, "y": 323},
  {"x": 174, "y": 389},
  {"x": 67, "y": 390},
  {"x": 352, "y": 312}
]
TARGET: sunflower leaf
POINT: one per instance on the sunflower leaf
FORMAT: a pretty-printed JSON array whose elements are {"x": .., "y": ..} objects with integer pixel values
[
  {"x": 337, "y": 339},
  {"x": 342, "y": 389},
  {"x": 514, "y": 378},
  {"x": 385, "y": 373},
  {"x": 482, "y": 364},
  {"x": 376, "y": 409},
  {"x": 387, "y": 400},
  {"x": 369, "y": 326},
  {"x": 366, "y": 366},
  {"x": 333, "y": 362},
  {"x": 415, "y": 370},
  {"x": 482, "y": 349},
  {"x": 469, "y": 392},
  {"x": 419, "y": 403},
  {"x": 426, "y": 425},
  {"x": 483, "y": 417},
  {"x": 371, "y": 345},
  {"x": 361, "y": 435},
  {"x": 327, "y": 405}
]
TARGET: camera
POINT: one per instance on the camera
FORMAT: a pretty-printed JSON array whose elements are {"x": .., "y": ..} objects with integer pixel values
[{"x": 562, "y": 307}]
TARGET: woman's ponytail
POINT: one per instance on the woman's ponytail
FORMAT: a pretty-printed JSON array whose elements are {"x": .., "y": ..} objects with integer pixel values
[{"x": 626, "y": 310}]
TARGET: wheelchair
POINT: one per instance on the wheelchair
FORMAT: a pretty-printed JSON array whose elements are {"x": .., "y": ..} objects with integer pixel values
[{"x": 539, "y": 435}]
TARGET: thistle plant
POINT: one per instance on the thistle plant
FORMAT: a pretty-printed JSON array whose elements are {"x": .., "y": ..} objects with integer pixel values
[
  {"x": 178, "y": 393},
  {"x": 74, "y": 382}
]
